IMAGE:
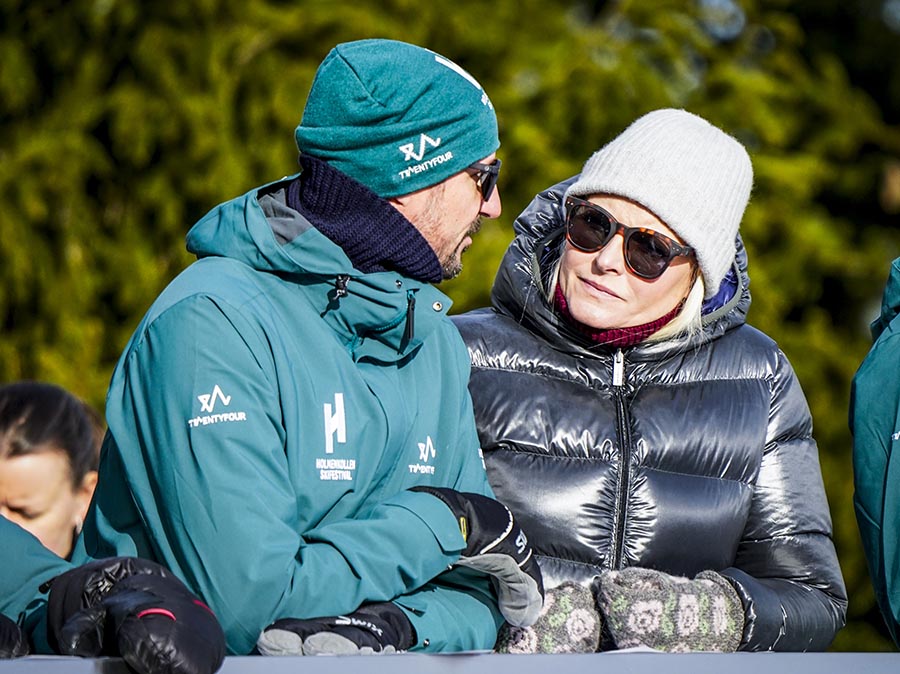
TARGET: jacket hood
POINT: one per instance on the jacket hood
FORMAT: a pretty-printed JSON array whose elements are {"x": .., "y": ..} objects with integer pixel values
[
  {"x": 273, "y": 239},
  {"x": 890, "y": 301},
  {"x": 382, "y": 315},
  {"x": 522, "y": 288}
]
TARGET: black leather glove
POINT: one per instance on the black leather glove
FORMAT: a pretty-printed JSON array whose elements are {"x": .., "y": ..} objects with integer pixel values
[
  {"x": 372, "y": 628},
  {"x": 137, "y": 610},
  {"x": 495, "y": 545},
  {"x": 12, "y": 642}
]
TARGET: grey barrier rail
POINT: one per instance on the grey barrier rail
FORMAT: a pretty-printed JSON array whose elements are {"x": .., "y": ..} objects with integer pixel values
[{"x": 484, "y": 663}]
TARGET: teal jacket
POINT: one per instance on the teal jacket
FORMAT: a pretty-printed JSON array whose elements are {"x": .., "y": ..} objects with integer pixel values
[
  {"x": 26, "y": 564},
  {"x": 875, "y": 424},
  {"x": 266, "y": 421}
]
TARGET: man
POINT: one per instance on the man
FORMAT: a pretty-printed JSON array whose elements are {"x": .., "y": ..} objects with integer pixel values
[
  {"x": 121, "y": 607},
  {"x": 290, "y": 429},
  {"x": 875, "y": 424}
]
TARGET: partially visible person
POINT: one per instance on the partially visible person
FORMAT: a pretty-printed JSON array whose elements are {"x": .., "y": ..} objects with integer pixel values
[
  {"x": 49, "y": 453},
  {"x": 290, "y": 429},
  {"x": 118, "y": 607},
  {"x": 656, "y": 447},
  {"x": 875, "y": 425}
]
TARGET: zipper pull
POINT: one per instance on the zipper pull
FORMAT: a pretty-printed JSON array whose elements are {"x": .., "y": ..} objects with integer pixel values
[
  {"x": 340, "y": 286},
  {"x": 410, "y": 329},
  {"x": 619, "y": 368}
]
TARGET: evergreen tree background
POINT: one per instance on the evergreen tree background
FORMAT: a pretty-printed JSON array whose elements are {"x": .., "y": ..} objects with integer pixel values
[{"x": 122, "y": 122}]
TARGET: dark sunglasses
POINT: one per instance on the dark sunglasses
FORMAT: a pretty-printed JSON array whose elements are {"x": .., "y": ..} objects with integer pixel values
[
  {"x": 647, "y": 253},
  {"x": 486, "y": 177}
]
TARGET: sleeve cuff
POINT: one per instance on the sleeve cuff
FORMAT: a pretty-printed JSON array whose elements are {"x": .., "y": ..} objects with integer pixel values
[{"x": 436, "y": 516}]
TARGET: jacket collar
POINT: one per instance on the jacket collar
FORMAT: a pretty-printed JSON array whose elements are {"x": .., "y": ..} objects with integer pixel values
[
  {"x": 381, "y": 316},
  {"x": 373, "y": 234}
]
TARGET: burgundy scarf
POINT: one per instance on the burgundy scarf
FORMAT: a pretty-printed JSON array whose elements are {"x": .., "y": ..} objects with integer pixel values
[{"x": 614, "y": 336}]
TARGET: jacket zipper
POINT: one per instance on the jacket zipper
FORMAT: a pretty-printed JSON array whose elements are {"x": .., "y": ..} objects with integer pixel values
[
  {"x": 410, "y": 330},
  {"x": 623, "y": 429}
]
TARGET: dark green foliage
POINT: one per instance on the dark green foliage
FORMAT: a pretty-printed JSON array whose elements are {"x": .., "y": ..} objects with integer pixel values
[{"x": 122, "y": 122}]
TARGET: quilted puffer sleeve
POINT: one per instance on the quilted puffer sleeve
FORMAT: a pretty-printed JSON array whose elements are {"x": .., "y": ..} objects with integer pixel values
[{"x": 786, "y": 569}]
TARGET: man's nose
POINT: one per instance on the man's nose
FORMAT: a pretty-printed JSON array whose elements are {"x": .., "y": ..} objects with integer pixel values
[{"x": 492, "y": 207}]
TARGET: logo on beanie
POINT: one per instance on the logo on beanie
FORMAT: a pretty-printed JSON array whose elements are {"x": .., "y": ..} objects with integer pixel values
[{"x": 410, "y": 154}]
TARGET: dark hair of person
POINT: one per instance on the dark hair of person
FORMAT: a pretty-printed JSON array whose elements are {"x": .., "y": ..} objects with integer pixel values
[{"x": 35, "y": 417}]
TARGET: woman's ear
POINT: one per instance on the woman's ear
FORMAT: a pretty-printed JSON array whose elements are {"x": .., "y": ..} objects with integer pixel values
[{"x": 84, "y": 493}]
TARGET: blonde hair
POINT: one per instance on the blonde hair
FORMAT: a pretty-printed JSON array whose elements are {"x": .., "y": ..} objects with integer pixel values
[{"x": 689, "y": 320}]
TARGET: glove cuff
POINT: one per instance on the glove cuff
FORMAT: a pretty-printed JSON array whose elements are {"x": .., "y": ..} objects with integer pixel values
[
  {"x": 398, "y": 630},
  {"x": 373, "y": 628},
  {"x": 730, "y": 610}
]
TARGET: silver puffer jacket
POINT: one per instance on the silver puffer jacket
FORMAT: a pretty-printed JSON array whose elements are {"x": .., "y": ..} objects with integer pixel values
[{"x": 681, "y": 456}]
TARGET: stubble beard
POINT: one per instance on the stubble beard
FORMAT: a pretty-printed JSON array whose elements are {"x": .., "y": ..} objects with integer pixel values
[{"x": 451, "y": 265}]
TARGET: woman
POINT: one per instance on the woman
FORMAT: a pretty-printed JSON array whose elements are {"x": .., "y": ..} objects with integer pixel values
[
  {"x": 654, "y": 446},
  {"x": 49, "y": 451}
]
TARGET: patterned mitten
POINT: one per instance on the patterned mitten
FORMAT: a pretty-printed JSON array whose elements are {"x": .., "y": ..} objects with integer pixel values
[
  {"x": 643, "y": 607},
  {"x": 568, "y": 623}
]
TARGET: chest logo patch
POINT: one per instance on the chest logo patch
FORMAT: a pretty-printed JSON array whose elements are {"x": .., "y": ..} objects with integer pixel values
[
  {"x": 426, "y": 454},
  {"x": 331, "y": 469}
]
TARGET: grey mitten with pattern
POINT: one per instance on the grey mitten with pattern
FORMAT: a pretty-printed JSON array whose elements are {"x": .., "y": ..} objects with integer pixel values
[
  {"x": 568, "y": 623},
  {"x": 644, "y": 607}
]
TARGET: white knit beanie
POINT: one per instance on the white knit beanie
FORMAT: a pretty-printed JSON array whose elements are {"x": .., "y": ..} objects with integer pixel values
[{"x": 690, "y": 174}]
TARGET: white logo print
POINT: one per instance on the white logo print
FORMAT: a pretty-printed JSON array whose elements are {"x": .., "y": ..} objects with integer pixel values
[
  {"x": 426, "y": 449},
  {"x": 208, "y": 400},
  {"x": 426, "y": 453},
  {"x": 335, "y": 470},
  {"x": 409, "y": 152},
  {"x": 208, "y": 404},
  {"x": 521, "y": 542},
  {"x": 335, "y": 423}
]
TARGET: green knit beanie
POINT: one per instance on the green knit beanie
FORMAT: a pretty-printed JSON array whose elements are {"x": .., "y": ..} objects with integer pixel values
[{"x": 396, "y": 117}]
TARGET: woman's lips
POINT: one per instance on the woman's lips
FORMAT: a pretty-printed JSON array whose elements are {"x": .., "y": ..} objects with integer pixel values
[{"x": 597, "y": 288}]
